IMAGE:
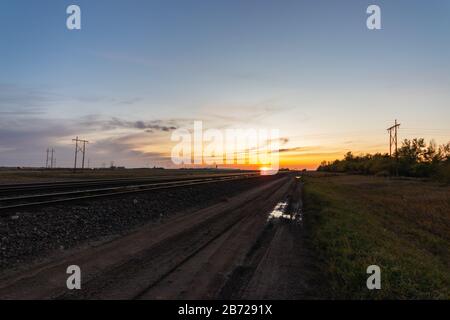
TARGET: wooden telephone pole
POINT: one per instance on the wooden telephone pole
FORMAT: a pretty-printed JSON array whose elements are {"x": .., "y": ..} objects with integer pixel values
[
  {"x": 46, "y": 161},
  {"x": 80, "y": 146},
  {"x": 52, "y": 159},
  {"x": 393, "y": 138},
  {"x": 393, "y": 142}
]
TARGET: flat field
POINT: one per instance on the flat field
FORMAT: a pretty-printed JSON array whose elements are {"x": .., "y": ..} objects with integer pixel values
[{"x": 403, "y": 226}]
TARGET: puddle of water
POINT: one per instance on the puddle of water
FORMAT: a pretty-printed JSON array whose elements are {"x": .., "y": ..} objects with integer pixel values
[
  {"x": 297, "y": 211},
  {"x": 280, "y": 212}
]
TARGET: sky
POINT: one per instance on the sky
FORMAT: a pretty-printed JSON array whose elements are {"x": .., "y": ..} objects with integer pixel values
[{"x": 139, "y": 70}]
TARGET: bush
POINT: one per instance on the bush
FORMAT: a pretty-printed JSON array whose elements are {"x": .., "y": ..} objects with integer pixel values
[
  {"x": 414, "y": 159},
  {"x": 443, "y": 172},
  {"x": 383, "y": 173}
]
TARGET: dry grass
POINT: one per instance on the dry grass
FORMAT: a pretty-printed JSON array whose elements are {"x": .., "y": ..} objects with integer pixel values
[{"x": 401, "y": 225}]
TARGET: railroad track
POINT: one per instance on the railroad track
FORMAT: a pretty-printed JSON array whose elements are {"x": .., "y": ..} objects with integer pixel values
[
  {"x": 80, "y": 184},
  {"x": 10, "y": 205},
  {"x": 136, "y": 278}
]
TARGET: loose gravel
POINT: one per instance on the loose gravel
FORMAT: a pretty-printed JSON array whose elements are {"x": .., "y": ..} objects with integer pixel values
[{"x": 27, "y": 236}]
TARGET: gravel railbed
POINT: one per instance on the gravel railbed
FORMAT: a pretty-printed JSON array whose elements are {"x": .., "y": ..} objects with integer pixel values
[{"x": 27, "y": 236}]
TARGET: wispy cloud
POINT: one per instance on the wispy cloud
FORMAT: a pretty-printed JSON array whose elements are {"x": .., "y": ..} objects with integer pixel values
[
  {"x": 22, "y": 112},
  {"x": 99, "y": 123},
  {"x": 243, "y": 114},
  {"x": 17, "y": 100},
  {"x": 126, "y": 57},
  {"x": 298, "y": 150},
  {"x": 111, "y": 138}
]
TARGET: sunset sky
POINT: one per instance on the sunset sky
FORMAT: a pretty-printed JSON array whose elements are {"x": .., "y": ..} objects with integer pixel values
[{"x": 140, "y": 69}]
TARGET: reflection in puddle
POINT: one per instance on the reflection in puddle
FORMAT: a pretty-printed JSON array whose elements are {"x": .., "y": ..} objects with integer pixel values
[
  {"x": 283, "y": 211},
  {"x": 279, "y": 211}
]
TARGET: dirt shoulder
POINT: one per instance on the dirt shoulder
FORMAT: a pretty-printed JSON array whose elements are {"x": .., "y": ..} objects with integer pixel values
[
  {"x": 234, "y": 249},
  {"x": 122, "y": 267},
  {"x": 280, "y": 265},
  {"x": 56, "y": 230}
]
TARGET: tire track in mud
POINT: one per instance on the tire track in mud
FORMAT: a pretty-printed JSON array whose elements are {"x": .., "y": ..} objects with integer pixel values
[
  {"x": 136, "y": 277},
  {"x": 203, "y": 276},
  {"x": 272, "y": 267}
]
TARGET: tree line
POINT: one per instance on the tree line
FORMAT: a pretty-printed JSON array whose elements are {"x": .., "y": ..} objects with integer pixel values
[{"x": 415, "y": 158}]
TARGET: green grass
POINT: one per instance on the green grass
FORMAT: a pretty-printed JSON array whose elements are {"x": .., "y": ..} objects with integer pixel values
[{"x": 401, "y": 226}]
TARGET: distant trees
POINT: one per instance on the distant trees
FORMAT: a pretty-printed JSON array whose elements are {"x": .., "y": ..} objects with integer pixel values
[{"x": 414, "y": 159}]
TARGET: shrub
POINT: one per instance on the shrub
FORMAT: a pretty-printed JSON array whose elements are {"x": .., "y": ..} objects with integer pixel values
[{"x": 414, "y": 159}]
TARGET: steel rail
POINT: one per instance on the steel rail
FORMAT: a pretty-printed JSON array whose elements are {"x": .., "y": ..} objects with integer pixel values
[
  {"x": 9, "y": 209},
  {"x": 100, "y": 182},
  {"x": 56, "y": 194}
]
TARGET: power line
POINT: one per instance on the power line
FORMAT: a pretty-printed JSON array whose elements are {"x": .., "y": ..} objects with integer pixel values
[
  {"x": 46, "y": 161},
  {"x": 81, "y": 149},
  {"x": 393, "y": 142},
  {"x": 50, "y": 160},
  {"x": 426, "y": 129},
  {"x": 393, "y": 137}
]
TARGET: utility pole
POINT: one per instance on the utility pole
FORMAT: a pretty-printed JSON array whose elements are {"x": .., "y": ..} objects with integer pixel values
[
  {"x": 52, "y": 159},
  {"x": 76, "y": 153},
  {"x": 393, "y": 143},
  {"x": 79, "y": 148},
  {"x": 393, "y": 138},
  {"x": 46, "y": 161},
  {"x": 84, "y": 153}
]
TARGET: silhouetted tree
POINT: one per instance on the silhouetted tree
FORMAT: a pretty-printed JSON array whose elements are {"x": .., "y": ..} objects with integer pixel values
[{"x": 414, "y": 158}]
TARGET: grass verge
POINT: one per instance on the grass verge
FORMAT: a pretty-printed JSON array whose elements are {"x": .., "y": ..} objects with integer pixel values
[{"x": 401, "y": 226}]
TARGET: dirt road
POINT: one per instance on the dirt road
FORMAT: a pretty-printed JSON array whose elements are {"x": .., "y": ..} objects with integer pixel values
[{"x": 199, "y": 255}]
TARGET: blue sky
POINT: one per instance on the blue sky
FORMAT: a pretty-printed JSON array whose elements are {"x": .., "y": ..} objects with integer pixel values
[{"x": 310, "y": 68}]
